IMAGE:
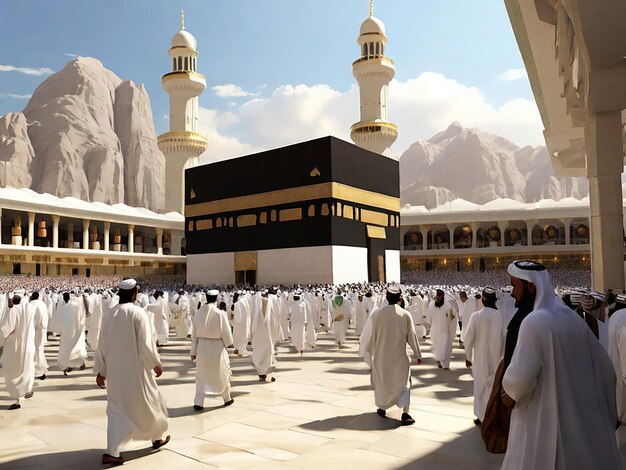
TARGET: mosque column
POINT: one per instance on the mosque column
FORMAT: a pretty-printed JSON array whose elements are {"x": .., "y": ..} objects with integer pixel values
[
  {"x": 424, "y": 232},
  {"x": 503, "y": 226},
  {"x": 31, "y": 229},
  {"x": 567, "y": 227},
  {"x": 70, "y": 235},
  {"x": 451, "y": 237},
  {"x": 107, "y": 230},
  {"x": 131, "y": 238},
  {"x": 529, "y": 232},
  {"x": 0, "y": 225},
  {"x": 605, "y": 163},
  {"x": 86, "y": 234},
  {"x": 474, "y": 226},
  {"x": 55, "y": 231},
  {"x": 159, "y": 240}
]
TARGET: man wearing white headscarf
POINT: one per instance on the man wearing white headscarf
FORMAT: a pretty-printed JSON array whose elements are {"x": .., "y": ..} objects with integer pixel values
[
  {"x": 71, "y": 320},
  {"x": 563, "y": 384},
  {"x": 160, "y": 312},
  {"x": 484, "y": 346},
  {"x": 299, "y": 316},
  {"x": 40, "y": 312},
  {"x": 125, "y": 359},
  {"x": 264, "y": 325},
  {"x": 17, "y": 335},
  {"x": 210, "y": 336}
]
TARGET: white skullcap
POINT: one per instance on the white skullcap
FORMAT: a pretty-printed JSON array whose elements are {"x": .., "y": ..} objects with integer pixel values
[
  {"x": 127, "y": 284},
  {"x": 213, "y": 292},
  {"x": 393, "y": 289}
]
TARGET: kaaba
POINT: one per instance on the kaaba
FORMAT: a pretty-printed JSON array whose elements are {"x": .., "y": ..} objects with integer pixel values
[{"x": 318, "y": 212}]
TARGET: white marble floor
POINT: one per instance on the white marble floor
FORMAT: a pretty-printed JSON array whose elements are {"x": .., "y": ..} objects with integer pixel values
[{"x": 319, "y": 413}]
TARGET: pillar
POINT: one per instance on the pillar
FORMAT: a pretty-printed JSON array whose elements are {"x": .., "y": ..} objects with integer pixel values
[
  {"x": 424, "y": 232},
  {"x": 451, "y": 237},
  {"x": 503, "y": 226},
  {"x": 31, "y": 229},
  {"x": 605, "y": 163},
  {"x": 86, "y": 234},
  {"x": 529, "y": 232},
  {"x": 107, "y": 230},
  {"x": 131, "y": 238},
  {"x": 567, "y": 227},
  {"x": 70, "y": 234},
  {"x": 55, "y": 231},
  {"x": 474, "y": 226},
  {"x": 159, "y": 240},
  {"x": 0, "y": 226}
]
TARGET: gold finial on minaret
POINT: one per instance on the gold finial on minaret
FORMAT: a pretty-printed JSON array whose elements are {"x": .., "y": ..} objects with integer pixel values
[
  {"x": 182, "y": 20},
  {"x": 371, "y": 7}
]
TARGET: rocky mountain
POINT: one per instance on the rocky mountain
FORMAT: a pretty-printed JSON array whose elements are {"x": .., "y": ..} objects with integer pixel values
[
  {"x": 479, "y": 167},
  {"x": 86, "y": 133}
]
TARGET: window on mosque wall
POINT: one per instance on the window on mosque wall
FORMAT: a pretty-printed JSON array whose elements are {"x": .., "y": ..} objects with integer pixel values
[
  {"x": 180, "y": 63},
  {"x": 377, "y": 48},
  {"x": 186, "y": 63},
  {"x": 371, "y": 48},
  {"x": 365, "y": 50}
]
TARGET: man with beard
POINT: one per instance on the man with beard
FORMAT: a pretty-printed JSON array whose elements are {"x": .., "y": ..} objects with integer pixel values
[
  {"x": 562, "y": 381},
  {"x": 441, "y": 318},
  {"x": 484, "y": 344}
]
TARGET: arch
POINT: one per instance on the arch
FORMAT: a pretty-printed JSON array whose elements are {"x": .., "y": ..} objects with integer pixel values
[
  {"x": 413, "y": 240},
  {"x": 186, "y": 63},
  {"x": 174, "y": 63},
  {"x": 180, "y": 63},
  {"x": 463, "y": 236},
  {"x": 371, "y": 48},
  {"x": 364, "y": 49},
  {"x": 377, "y": 48}
]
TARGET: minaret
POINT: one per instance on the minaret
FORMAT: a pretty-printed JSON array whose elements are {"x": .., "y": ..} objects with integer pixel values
[
  {"x": 373, "y": 71},
  {"x": 182, "y": 145}
]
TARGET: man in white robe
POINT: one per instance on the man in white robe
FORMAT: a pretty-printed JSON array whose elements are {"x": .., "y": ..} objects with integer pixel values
[
  {"x": 442, "y": 320},
  {"x": 466, "y": 307},
  {"x": 264, "y": 325},
  {"x": 72, "y": 347},
  {"x": 160, "y": 312},
  {"x": 241, "y": 325},
  {"x": 40, "y": 312},
  {"x": 362, "y": 313},
  {"x": 385, "y": 338},
  {"x": 124, "y": 361},
  {"x": 209, "y": 339},
  {"x": 563, "y": 384},
  {"x": 340, "y": 312},
  {"x": 179, "y": 308},
  {"x": 299, "y": 317},
  {"x": 617, "y": 353},
  {"x": 484, "y": 347},
  {"x": 17, "y": 336},
  {"x": 95, "y": 324}
]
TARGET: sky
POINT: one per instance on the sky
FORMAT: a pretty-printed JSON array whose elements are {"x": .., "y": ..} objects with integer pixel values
[{"x": 280, "y": 71}]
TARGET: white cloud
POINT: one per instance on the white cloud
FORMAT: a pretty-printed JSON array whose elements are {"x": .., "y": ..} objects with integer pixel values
[
  {"x": 421, "y": 107},
  {"x": 230, "y": 91},
  {"x": 512, "y": 74},
  {"x": 20, "y": 97},
  {"x": 26, "y": 70},
  {"x": 69, "y": 54}
]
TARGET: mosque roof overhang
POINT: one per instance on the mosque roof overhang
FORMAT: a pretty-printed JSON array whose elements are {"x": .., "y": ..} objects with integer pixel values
[
  {"x": 574, "y": 54},
  {"x": 27, "y": 200}
]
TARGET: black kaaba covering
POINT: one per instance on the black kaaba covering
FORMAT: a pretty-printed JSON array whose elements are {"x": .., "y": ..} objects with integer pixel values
[{"x": 252, "y": 202}]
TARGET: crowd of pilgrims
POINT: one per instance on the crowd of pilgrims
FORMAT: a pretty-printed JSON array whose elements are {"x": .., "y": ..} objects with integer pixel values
[{"x": 244, "y": 321}]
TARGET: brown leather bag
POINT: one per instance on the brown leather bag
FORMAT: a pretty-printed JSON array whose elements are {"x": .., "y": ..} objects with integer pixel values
[{"x": 495, "y": 427}]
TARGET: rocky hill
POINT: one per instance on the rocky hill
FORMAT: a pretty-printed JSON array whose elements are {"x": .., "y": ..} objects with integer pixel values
[
  {"x": 479, "y": 167},
  {"x": 85, "y": 133}
]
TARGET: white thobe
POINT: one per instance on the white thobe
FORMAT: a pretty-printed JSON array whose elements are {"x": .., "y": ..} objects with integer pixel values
[
  {"x": 362, "y": 313},
  {"x": 263, "y": 326},
  {"x": 40, "y": 312},
  {"x": 340, "y": 315},
  {"x": 17, "y": 332},
  {"x": 241, "y": 327},
  {"x": 299, "y": 317},
  {"x": 210, "y": 337},
  {"x": 442, "y": 330},
  {"x": 617, "y": 352},
  {"x": 125, "y": 357},
  {"x": 484, "y": 347},
  {"x": 95, "y": 307},
  {"x": 385, "y": 337},
  {"x": 179, "y": 309},
  {"x": 159, "y": 310},
  {"x": 563, "y": 383},
  {"x": 72, "y": 347}
]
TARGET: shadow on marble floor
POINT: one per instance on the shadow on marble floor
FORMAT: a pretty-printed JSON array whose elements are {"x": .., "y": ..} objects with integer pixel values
[
  {"x": 358, "y": 422},
  {"x": 86, "y": 459}
]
